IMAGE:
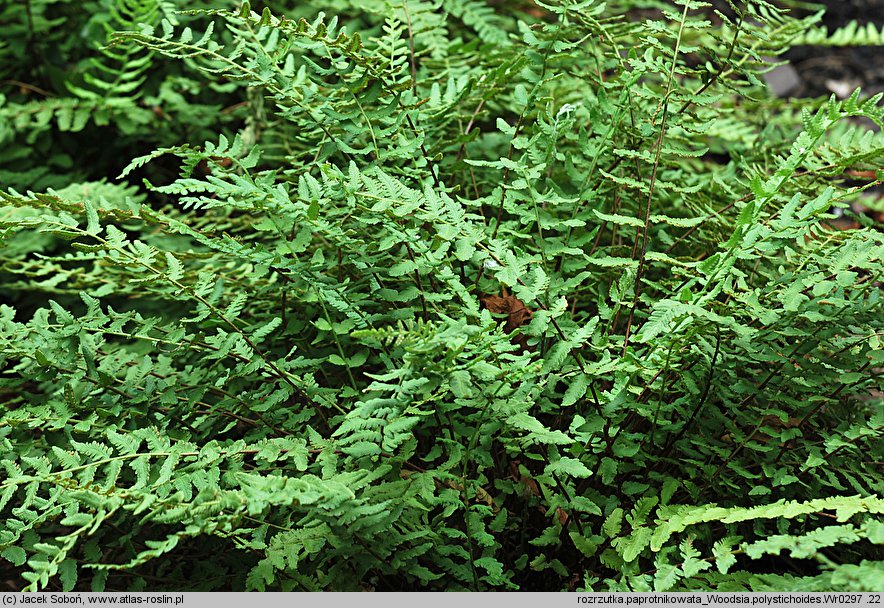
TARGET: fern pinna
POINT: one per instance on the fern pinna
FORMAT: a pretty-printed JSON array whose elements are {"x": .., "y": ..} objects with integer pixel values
[{"x": 439, "y": 295}]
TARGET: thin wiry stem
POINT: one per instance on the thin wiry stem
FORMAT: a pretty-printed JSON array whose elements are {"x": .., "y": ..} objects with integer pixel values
[{"x": 657, "y": 155}]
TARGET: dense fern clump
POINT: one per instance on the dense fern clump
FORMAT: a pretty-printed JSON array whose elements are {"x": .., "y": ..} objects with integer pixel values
[{"x": 435, "y": 294}]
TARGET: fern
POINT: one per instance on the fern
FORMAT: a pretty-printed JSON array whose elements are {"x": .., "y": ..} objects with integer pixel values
[{"x": 353, "y": 295}]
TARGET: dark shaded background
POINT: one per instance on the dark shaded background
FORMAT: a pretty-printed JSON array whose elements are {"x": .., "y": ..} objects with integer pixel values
[{"x": 823, "y": 71}]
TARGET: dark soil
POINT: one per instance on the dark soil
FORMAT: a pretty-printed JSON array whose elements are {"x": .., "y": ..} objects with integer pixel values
[{"x": 823, "y": 70}]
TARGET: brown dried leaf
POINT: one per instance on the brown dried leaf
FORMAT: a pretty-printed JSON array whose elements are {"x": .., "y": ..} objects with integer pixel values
[
  {"x": 484, "y": 496},
  {"x": 517, "y": 314}
]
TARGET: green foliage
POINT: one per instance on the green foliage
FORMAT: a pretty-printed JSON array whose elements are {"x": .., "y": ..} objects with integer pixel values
[{"x": 437, "y": 295}]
